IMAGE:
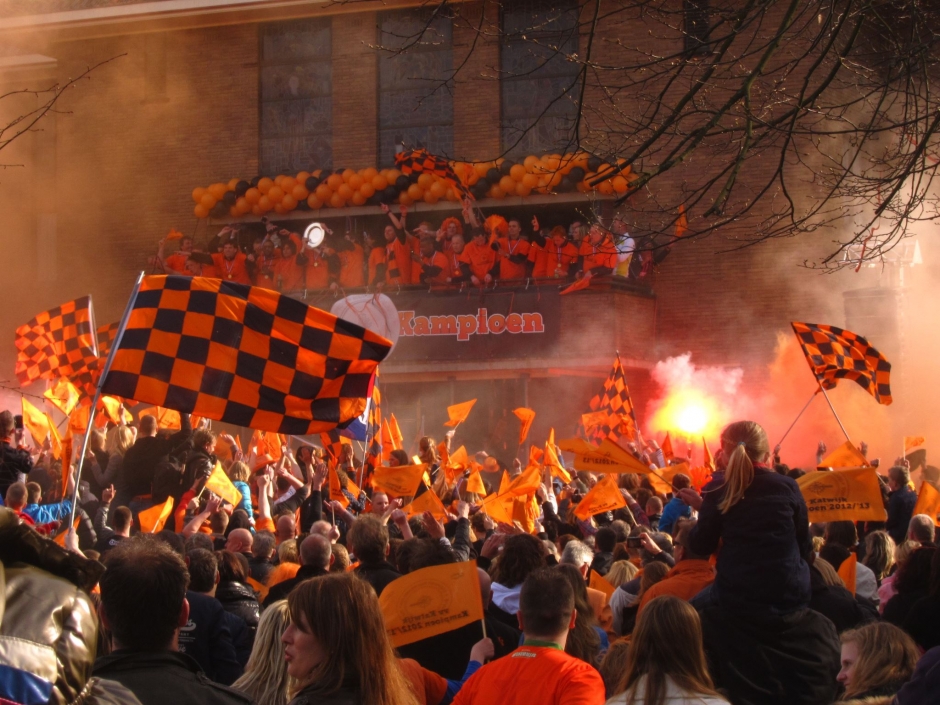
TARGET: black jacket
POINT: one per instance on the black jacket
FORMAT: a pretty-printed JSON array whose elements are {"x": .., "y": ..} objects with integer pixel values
[
  {"x": 838, "y": 604},
  {"x": 12, "y": 461},
  {"x": 923, "y": 622},
  {"x": 763, "y": 659},
  {"x": 602, "y": 562},
  {"x": 763, "y": 540},
  {"x": 900, "y": 606},
  {"x": 284, "y": 588},
  {"x": 161, "y": 677},
  {"x": 260, "y": 569},
  {"x": 447, "y": 654},
  {"x": 207, "y": 639},
  {"x": 900, "y": 510},
  {"x": 240, "y": 600},
  {"x": 344, "y": 696},
  {"x": 378, "y": 575},
  {"x": 141, "y": 459}
]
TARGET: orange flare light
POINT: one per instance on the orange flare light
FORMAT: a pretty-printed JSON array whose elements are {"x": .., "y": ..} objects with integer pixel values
[{"x": 690, "y": 412}]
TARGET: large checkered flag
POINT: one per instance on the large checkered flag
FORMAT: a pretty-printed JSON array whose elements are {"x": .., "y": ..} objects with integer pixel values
[
  {"x": 242, "y": 355},
  {"x": 59, "y": 342},
  {"x": 86, "y": 379},
  {"x": 834, "y": 354},
  {"x": 615, "y": 401}
]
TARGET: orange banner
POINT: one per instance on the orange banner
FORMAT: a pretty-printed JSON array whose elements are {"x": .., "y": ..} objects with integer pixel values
[
  {"x": 604, "y": 497},
  {"x": 400, "y": 481},
  {"x": 475, "y": 484},
  {"x": 852, "y": 494},
  {"x": 63, "y": 395},
  {"x": 845, "y": 456},
  {"x": 526, "y": 416},
  {"x": 928, "y": 502},
  {"x": 152, "y": 520},
  {"x": 219, "y": 483},
  {"x": 458, "y": 413}
]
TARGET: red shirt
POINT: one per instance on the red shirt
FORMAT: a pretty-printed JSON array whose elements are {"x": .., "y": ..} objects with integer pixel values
[
  {"x": 534, "y": 674},
  {"x": 177, "y": 262},
  {"x": 234, "y": 270},
  {"x": 509, "y": 248},
  {"x": 481, "y": 259}
]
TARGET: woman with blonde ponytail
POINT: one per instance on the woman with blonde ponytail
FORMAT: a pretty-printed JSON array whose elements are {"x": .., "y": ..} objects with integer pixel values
[{"x": 759, "y": 520}]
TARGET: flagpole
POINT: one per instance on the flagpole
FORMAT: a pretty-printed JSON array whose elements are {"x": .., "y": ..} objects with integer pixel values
[
  {"x": 796, "y": 419},
  {"x": 834, "y": 413},
  {"x": 116, "y": 343}
]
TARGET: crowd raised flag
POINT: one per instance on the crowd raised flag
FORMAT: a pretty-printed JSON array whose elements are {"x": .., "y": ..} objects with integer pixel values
[
  {"x": 56, "y": 343},
  {"x": 848, "y": 494}
]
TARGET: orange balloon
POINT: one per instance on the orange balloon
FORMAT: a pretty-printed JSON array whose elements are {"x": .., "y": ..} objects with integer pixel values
[
  {"x": 415, "y": 192},
  {"x": 265, "y": 203},
  {"x": 620, "y": 184},
  {"x": 354, "y": 181},
  {"x": 288, "y": 203},
  {"x": 452, "y": 194},
  {"x": 280, "y": 209},
  {"x": 324, "y": 192},
  {"x": 425, "y": 181},
  {"x": 264, "y": 184},
  {"x": 201, "y": 211},
  {"x": 334, "y": 181},
  {"x": 314, "y": 202},
  {"x": 347, "y": 174},
  {"x": 288, "y": 183},
  {"x": 507, "y": 184},
  {"x": 278, "y": 179},
  {"x": 556, "y": 179},
  {"x": 495, "y": 192},
  {"x": 517, "y": 172},
  {"x": 252, "y": 195},
  {"x": 439, "y": 188},
  {"x": 198, "y": 193},
  {"x": 302, "y": 176},
  {"x": 431, "y": 197},
  {"x": 379, "y": 182},
  {"x": 337, "y": 201},
  {"x": 234, "y": 212},
  {"x": 473, "y": 177},
  {"x": 242, "y": 205},
  {"x": 367, "y": 190},
  {"x": 275, "y": 193},
  {"x": 300, "y": 192},
  {"x": 358, "y": 199},
  {"x": 530, "y": 180},
  {"x": 256, "y": 210},
  {"x": 522, "y": 189},
  {"x": 368, "y": 174},
  {"x": 606, "y": 187},
  {"x": 481, "y": 168},
  {"x": 531, "y": 162},
  {"x": 405, "y": 199},
  {"x": 392, "y": 174},
  {"x": 208, "y": 201},
  {"x": 232, "y": 183},
  {"x": 218, "y": 190},
  {"x": 345, "y": 191}
]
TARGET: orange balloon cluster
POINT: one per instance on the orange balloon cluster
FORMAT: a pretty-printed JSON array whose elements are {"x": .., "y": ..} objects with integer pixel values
[{"x": 318, "y": 189}]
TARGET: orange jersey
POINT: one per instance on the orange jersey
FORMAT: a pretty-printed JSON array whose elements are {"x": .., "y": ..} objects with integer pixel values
[
  {"x": 436, "y": 260},
  {"x": 288, "y": 275},
  {"x": 512, "y": 248},
  {"x": 177, "y": 262},
  {"x": 266, "y": 271},
  {"x": 453, "y": 264},
  {"x": 317, "y": 270},
  {"x": 233, "y": 270},
  {"x": 376, "y": 258},
  {"x": 534, "y": 674},
  {"x": 351, "y": 275},
  {"x": 603, "y": 254},
  {"x": 481, "y": 259},
  {"x": 553, "y": 261},
  {"x": 398, "y": 260}
]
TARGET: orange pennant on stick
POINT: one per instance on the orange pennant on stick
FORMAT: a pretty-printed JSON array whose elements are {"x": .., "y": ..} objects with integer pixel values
[
  {"x": 399, "y": 481},
  {"x": 928, "y": 502},
  {"x": 475, "y": 484},
  {"x": 848, "y": 572},
  {"x": 911, "y": 442},
  {"x": 64, "y": 396},
  {"x": 35, "y": 422},
  {"x": 667, "y": 448},
  {"x": 499, "y": 507},
  {"x": 458, "y": 413},
  {"x": 166, "y": 418},
  {"x": 426, "y": 500},
  {"x": 526, "y": 483},
  {"x": 152, "y": 520},
  {"x": 397, "y": 436},
  {"x": 845, "y": 456},
  {"x": 709, "y": 460},
  {"x": 582, "y": 283},
  {"x": 851, "y": 494},
  {"x": 599, "y": 582},
  {"x": 604, "y": 497},
  {"x": 526, "y": 416},
  {"x": 219, "y": 483},
  {"x": 431, "y": 601},
  {"x": 504, "y": 483}
]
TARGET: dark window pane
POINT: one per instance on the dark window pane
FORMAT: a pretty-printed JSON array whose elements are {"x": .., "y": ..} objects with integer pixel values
[{"x": 296, "y": 96}]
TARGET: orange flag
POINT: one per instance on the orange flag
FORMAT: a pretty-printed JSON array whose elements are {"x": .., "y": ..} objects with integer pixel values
[
  {"x": 845, "y": 456},
  {"x": 336, "y": 489},
  {"x": 847, "y": 571},
  {"x": 667, "y": 448},
  {"x": 271, "y": 444},
  {"x": 599, "y": 582},
  {"x": 851, "y": 494},
  {"x": 431, "y": 601},
  {"x": 535, "y": 455},
  {"x": 594, "y": 418},
  {"x": 60, "y": 537},
  {"x": 475, "y": 484},
  {"x": 153, "y": 519},
  {"x": 525, "y": 512},
  {"x": 166, "y": 418},
  {"x": 397, "y": 436},
  {"x": 458, "y": 413},
  {"x": 444, "y": 454},
  {"x": 709, "y": 460},
  {"x": 388, "y": 443},
  {"x": 911, "y": 442},
  {"x": 682, "y": 223},
  {"x": 504, "y": 482},
  {"x": 526, "y": 416},
  {"x": 610, "y": 458},
  {"x": 400, "y": 481},
  {"x": 66, "y": 463},
  {"x": 174, "y": 234},
  {"x": 459, "y": 458},
  {"x": 55, "y": 441},
  {"x": 78, "y": 421},
  {"x": 219, "y": 483},
  {"x": 554, "y": 464},
  {"x": 64, "y": 396},
  {"x": 426, "y": 500},
  {"x": 499, "y": 507},
  {"x": 928, "y": 502},
  {"x": 582, "y": 283},
  {"x": 526, "y": 483},
  {"x": 35, "y": 422},
  {"x": 604, "y": 497}
]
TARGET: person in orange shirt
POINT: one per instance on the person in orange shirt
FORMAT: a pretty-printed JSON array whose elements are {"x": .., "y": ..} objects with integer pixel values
[
  {"x": 376, "y": 266},
  {"x": 449, "y": 228},
  {"x": 288, "y": 271},
  {"x": 398, "y": 250},
  {"x": 266, "y": 264},
  {"x": 351, "y": 263},
  {"x": 322, "y": 267},
  {"x": 539, "y": 671},
  {"x": 479, "y": 259},
  {"x": 598, "y": 253},
  {"x": 555, "y": 256},
  {"x": 434, "y": 269},
  {"x": 691, "y": 574},
  {"x": 176, "y": 263},
  {"x": 455, "y": 268},
  {"x": 230, "y": 265},
  {"x": 513, "y": 253}
]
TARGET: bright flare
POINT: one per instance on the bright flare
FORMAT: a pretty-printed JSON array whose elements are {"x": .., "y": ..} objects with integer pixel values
[
  {"x": 688, "y": 411},
  {"x": 692, "y": 420}
]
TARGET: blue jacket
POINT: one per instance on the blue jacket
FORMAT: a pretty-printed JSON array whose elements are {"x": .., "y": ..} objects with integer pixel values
[
  {"x": 901, "y": 505},
  {"x": 675, "y": 509},
  {"x": 206, "y": 638},
  {"x": 763, "y": 539},
  {"x": 47, "y": 513},
  {"x": 245, "y": 504}
]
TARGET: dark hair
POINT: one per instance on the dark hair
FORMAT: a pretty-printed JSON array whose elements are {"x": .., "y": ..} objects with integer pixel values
[
  {"x": 6, "y": 423},
  {"x": 605, "y": 539},
  {"x": 680, "y": 481},
  {"x": 428, "y": 552},
  {"x": 842, "y": 533},
  {"x": 401, "y": 456},
  {"x": 238, "y": 520},
  {"x": 367, "y": 539},
  {"x": 173, "y": 540},
  {"x": 142, "y": 593},
  {"x": 122, "y": 518},
  {"x": 231, "y": 568},
  {"x": 684, "y": 539},
  {"x": 900, "y": 475},
  {"x": 546, "y": 602},
  {"x": 203, "y": 566},
  {"x": 583, "y": 641},
  {"x": 263, "y": 544},
  {"x": 197, "y": 541},
  {"x": 522, "y": 554},
  {"x": 202, "y": 438},
  {"x": 914, "y": 573}
]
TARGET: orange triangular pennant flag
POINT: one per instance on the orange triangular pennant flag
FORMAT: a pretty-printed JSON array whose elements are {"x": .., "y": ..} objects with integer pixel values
[
  {"x": 504, "y": 483},
  {"x": 596, "y": 581},
  {"x": 454, "y": 591},
  {"x": 336, "y": 490},
  {"x": 928, "y": 502},
  {"x": 174, "y": 234},
  {"x": 527, "y": 483},
  {"x": 845, "y": 456},
  {"x": 847, "y": 571},
  {"x": 426, "y": 500},
  {"x": 553, "y": 463},
  {"x": 166, "y": 418},
  {"x": 255, "y": 446},
  {"x": 78, "y": 421},
  {"x": 397, "y": 438},
  {"x": 271, "y": 444},
  {"x": 499, "y": 507},
  {"x": 666, "y": 447},
  {"x": 443, "y": 453},
  {"x": 35, "y": 422},
  {"x": 526, "y": 416},
  {"x": 55, "y": 442},
  {"x": 60, "y": 537},
  {"x": 219, "y": 483},
  {"x": 64, "y": 396},
  {"x": 459, "y": 458},
  {"x": 709, "y": 459},
  {"x": 582, "y": 283},
  {"x": 153, "y": 519},
  {"x": 475, "y": 484},
  {"x": 399, "y": 481},
  {"x": 912, "y": 442},
  {"x": 850, "y": 494},
  {"x": 604, "y": 497},
  {"x": 592, "y": 419},
  {"x": 112, "y": 410},
  {"x": 458, "y": 413}
]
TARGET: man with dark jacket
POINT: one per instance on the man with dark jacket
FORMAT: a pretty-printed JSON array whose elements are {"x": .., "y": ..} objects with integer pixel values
[
  {"x": 368, "y": 541},
  {"x": 901, "y": 502},
  {"x": 316, "y": 557},
  {"x": 204, "y": 579},
  {"x": 605, "y": 540},
  {"x": 145, "y": 655},
  {"x": 135, "y": 483},
  {"x": 14, "y": 459},
  {"x": 262, "y": 549}
]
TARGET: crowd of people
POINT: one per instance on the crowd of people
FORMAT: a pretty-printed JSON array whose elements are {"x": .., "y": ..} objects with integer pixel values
[
  {"x": 451, "y": 254},
  {"x": 716, "y": 594}
]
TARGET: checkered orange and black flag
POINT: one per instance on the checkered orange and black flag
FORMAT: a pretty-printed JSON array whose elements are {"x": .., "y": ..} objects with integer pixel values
[
  {"x": 616, "y": 402},
  {"x": 834, "y": 354},
  {"x": 86, "y": 379},
  {"x": 374, "y": 452},
  {"x": 56, "y": 343},
  {"x": 420, "y": 161},
  {"x": 242, "y": 355}
]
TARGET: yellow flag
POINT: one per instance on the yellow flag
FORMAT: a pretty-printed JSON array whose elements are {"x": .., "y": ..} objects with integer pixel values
[
  {"x": 458, "y": 413},
  {"x": 219, "y": 483},
  {"x": 152, "y": 520},
  {"x": 851, "y": 494},
  {"x": 848, "y": 572},
  {"x": 604, "y": 497},
  {"x": 78, "y": 421},
  {"x": 63, "y": 395},
  {"x": 609, "y": 458},
  {"x": 55, "y": 441},
  {"x": 709, "y": 460},
  {"x": 35, "y": 422},
  {"x": 578, "y": 446},
  {"x": 475, "y": 484},
  {"x": 526, "y": 416},
  {"x": 599, "y": 582},
  {"x": 845, "y": 456},
  {"x": 431, "y": 601},
  {"x": 399, "y": 481},
  {"x": 661, "y": 479},
  {"x": 928, "y": 502},
  {"x": 912, "y": 442}
]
